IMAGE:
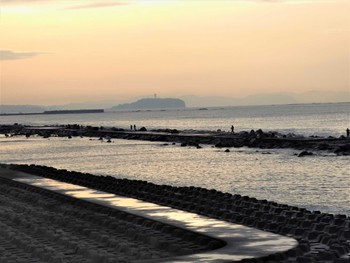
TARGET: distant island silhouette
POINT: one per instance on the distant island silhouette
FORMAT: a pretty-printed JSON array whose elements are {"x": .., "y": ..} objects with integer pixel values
[{"x": 152, "y": 103}]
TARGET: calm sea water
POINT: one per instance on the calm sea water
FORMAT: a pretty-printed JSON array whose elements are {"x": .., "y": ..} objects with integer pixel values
[
  {"x": 319, "y": 182},
  {"x": 307, "y": 119}
]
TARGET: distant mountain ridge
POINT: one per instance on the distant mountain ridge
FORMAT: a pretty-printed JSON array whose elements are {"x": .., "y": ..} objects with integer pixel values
[
  {"x": 197, "y": 101},
  {"x": 269, "y": 99},
  {"x": 152, "y": 103}
]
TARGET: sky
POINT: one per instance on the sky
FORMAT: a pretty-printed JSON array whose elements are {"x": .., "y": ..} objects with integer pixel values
[{"x": 58, "y": 52}]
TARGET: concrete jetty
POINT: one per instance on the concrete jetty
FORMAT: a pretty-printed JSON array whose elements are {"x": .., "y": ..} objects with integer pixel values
[
  {"x": 232, "y": 219},
  {"x": 208, "y": 240}
]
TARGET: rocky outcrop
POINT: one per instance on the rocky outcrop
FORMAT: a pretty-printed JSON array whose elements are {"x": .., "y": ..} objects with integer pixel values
[{"x": 254, "y": 139}]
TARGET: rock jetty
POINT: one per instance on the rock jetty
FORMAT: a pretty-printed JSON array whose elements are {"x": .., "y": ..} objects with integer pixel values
[
  {"x": 255, "y": 139},
  {"x": 322, "y": 237}
]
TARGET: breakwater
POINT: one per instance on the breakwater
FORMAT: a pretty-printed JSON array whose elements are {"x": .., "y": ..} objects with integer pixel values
[
  {"x": 40, "y": 226},
  {"x": 257, "y": 139},
  {"x": 56, "y": 112},
  {"x": 322, "y": 237}
]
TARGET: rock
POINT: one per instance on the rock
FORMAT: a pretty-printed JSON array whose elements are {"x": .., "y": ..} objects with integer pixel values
[
  {"x": 69, "y": 137},
  {"x": 109, "y": 140},
  {"x": 304, "y": 153},
  {"x": 199, "y": 147},
  {"x": 223, "y": 144},
  {"x": 183, "y": 144},
  {"x": 174, "y": 131},
  {"x": 143, "y": 129},
  {"x": 260, "y": 133},
  {"x": 323, "y": 146},
  {"x": 343, "y": 149},
  {"x": 227, "y": 150},
  {"x": 193, "y": 144}
]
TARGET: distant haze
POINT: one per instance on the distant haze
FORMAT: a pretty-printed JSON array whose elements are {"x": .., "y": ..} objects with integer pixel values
[
  {"x": 63, "y": 52},
  {"x": 193, "y": 101}
]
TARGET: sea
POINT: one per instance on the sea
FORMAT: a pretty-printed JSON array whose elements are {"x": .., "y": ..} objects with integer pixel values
[{"x": 320, "y": 182}]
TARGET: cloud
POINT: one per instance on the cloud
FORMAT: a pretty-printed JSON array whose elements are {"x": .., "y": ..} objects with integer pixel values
[
  {"x": 297, "y": 1},
  {"x": 99, "y": 5},
  {"x": 86, "y": 3},
  {"x": 11, "y": 55}
]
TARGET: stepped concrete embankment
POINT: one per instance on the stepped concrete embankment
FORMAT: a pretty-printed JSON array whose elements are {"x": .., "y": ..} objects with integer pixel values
[
  {"x": 256, "y": 139},
  {"x": 321, "y": 237}
]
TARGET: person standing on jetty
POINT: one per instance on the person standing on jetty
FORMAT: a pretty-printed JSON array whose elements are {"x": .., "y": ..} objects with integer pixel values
[
  {"x": 347, "y": 133},
  {"x": 134, "y": 127},
  {"x": 232, "y": 128}
]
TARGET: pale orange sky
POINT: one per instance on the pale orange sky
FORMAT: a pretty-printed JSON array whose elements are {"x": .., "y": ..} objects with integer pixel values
[{"x": 56, "y": 52}]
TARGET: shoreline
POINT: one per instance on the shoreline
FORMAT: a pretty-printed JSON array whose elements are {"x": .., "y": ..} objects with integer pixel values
[
  {"x": 322, "y": 237},
  {"x": 253, "y": 139}
]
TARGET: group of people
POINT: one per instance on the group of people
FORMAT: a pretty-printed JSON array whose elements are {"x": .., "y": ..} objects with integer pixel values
[{"x": 133, "y": 127}]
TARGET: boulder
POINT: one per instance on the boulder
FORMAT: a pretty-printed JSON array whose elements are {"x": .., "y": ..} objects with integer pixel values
[
  {"x": 343, "y": 149},
  {"x": 304, "y": 153},
  {"x": 143, "y": 129}
]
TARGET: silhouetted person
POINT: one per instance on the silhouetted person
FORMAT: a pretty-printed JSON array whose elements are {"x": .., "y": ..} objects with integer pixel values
[
  {"x": 347, "y": 132},
  {"x": 232, "y": 129},
  {"x": 134, "y": 127},
  {"x": 130, "y": 127}
]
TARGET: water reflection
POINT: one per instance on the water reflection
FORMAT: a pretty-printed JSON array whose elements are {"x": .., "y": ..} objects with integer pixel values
[{"x": 280, "y": 176}]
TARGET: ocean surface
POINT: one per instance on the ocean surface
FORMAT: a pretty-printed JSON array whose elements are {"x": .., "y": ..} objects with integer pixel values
[{"x": 318, "y": 182}]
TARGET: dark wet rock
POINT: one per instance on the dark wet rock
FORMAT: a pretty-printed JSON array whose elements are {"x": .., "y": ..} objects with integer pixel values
[
  {"x": 227, "y": 150},
  {"x": 109, "y": 140},
  {"x": 255, "y": 139},
  {"x": 224, "y": 144},
  {"x": 165, "y": 144},
  {"x": 343, "y": 149},
  {"x": 199, "y": 147},
  {"x": 304, "y": 153},
  {"x": 260, "y": 133},
  {"x": 143, "y": 129},
  {"x": 184, "y": 144},
  {"x": 190, "y": 143},
  {"x": 69, "y": 137},
  {"x": 323, "y": 146}
]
